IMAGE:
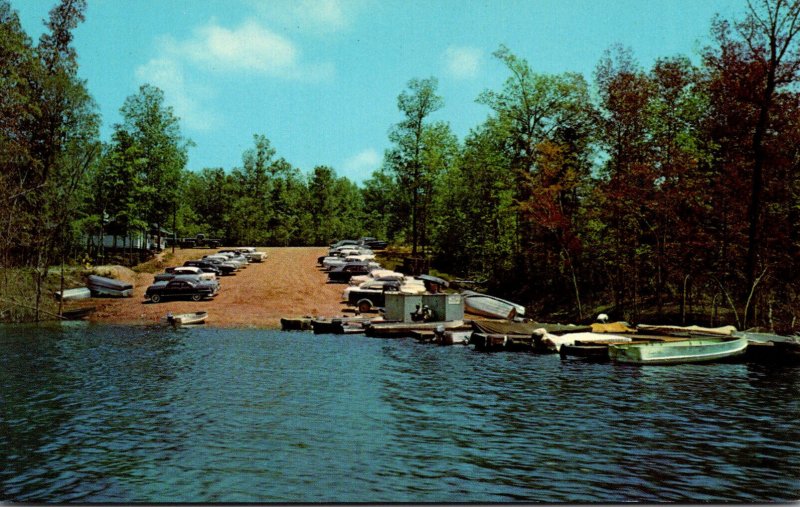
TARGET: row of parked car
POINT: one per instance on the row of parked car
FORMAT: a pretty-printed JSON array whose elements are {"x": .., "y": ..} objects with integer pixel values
[
  {"x": 353, "y": 262},
  {"x": 199, "y": 279}
]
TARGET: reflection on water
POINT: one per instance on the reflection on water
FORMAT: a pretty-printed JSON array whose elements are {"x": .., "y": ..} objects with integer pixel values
[{"x": 113, "y": 414}]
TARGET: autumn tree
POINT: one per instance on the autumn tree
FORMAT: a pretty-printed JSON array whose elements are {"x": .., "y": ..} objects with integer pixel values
[{"x": 544, "y": 117}]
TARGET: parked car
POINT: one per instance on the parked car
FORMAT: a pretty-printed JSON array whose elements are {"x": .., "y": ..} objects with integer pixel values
[
  {"x": 344, "y": 242},
  {"x": 237, "y": 263},
  {"x": 226, "y": 268},
  {"x": 207, "y": 267},
  {"x": 251, "y": 253},
  {"x": 235, "y": 256},
  {"x": 343, "y": 272},
  {"x": 181, "y": 288},
  {"x": 373, "y": 243},
  {"x": 170, "y": 273},
  {"x": 377, "y": 274}
]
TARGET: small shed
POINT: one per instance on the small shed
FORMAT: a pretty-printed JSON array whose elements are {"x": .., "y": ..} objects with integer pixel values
[{"x": 444, "y": 307}]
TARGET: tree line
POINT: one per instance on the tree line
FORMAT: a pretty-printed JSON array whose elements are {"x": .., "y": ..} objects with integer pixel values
[{"x": 665, "y": 191}]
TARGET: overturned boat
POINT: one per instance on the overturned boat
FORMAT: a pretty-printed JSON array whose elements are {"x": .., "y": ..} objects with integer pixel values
[
  {"x": 492, "y": 307},
  {"x": 102, "y": 286}
]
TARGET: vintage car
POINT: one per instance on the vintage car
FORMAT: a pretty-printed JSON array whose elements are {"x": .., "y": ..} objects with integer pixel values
[
  {"x": 408, "y": 285},
  {"x": 207, "y": 267},
  {"x": 225, "y": 268},
  {"x": 343, "y": 272},
  {"x": 170, "y": 273},
  {"x": 182, "y": 287},
  {"x": 251, "y": 253}
]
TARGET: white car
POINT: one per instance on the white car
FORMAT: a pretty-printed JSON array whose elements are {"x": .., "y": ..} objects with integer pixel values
[
  {"x": 408, "y": 286},
  {"x": 376, "y": 274}
]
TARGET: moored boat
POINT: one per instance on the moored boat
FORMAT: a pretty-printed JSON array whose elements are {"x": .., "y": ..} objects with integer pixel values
[
  {"x": 339, "y": 325},
  {"x": 296, "y": 323},
  {"x": 685, "y": 331},
  {"x": 553, "y": 343},
  {"x": 404, "y": 330},
  {"x": 187, "y": 319},
  {"x": 771, "y": 348},
  {"x": 692, "y": 350},
  {"x": 497, "y": 341}
]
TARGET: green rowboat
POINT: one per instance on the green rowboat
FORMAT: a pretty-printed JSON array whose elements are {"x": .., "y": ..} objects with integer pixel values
[{"x": 694, "y": 350}]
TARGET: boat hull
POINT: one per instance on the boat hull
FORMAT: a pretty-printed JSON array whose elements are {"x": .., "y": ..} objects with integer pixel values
[
  {"x": 296, "y": 323},
  {"x": 74, "y": 294},
  {"x": 698, "y": 350},
  {"x": 188, "y": 319}
]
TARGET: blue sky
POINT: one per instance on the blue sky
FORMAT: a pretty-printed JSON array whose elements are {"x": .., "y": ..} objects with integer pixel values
[{"x": 321, "y": 78}]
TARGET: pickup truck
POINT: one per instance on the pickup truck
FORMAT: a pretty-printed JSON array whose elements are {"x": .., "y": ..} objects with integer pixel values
[
  {"x": 371, "y": 299},
  {"x": 181, "y": 288}
]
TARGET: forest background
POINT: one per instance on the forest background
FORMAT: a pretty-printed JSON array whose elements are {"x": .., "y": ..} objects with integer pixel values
[{"x": 670, "y": 193}]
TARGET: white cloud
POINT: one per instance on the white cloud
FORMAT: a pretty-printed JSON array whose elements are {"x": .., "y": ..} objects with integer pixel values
[
  {"x": 463, "y": 62},
  {"x": 249, "y": 47},
  {"x": 361, "y": 165},
  {"x": 183, "y": 68},
  {"x": 169, "y": 75}
]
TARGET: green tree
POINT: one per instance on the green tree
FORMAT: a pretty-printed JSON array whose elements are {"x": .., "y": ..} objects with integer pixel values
[
  {"x": 154, "y": 130},
  {"x": 405, "y": 158}
]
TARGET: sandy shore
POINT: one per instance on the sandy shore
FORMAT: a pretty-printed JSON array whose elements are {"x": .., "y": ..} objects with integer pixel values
[{"x": 287, "y": 284}]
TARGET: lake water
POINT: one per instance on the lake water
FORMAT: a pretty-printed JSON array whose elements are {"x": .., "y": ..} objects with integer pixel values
[{"x": 118, "y": 414}]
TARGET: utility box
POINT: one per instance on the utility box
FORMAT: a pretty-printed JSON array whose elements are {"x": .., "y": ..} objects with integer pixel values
[
  {"x": 399, "y": 306},
  {"x": 444, "y": 307}
]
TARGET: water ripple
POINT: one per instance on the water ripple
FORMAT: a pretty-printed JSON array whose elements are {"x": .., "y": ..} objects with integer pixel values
[{"x": 106, "y": 414}]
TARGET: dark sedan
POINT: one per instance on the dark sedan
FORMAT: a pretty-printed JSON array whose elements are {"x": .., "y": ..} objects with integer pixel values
[{"x": 181, "y": 289}]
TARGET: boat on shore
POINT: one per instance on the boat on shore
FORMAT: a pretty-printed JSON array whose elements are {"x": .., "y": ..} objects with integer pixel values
[
  {"x": 102, "y": 286},
  {"x": 691, "y": 350},
  {"x": 187, "y": 319},
  {"x": 74, "y": 294},
  {"x": 492, "y": 307}
]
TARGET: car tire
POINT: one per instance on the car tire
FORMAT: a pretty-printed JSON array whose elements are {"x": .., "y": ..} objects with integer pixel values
[
  {"x": 364, "y": 306},
  {"x": 197, "y": 297},
  {"x": 155, "y": 298}
]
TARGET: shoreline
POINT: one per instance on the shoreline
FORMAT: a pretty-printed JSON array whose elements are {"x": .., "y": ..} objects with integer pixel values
[{"x": 288, "y": 283}]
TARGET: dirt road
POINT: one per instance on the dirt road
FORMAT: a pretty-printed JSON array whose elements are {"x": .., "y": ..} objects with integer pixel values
[{"x": 287, "y": 284}]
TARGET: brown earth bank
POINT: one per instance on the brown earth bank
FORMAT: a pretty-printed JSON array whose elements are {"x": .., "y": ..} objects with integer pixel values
[{"x": 288, "y": 283}]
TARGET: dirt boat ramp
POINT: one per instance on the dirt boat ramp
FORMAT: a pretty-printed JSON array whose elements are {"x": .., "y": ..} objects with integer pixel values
[{"x": 287, "y": 284}]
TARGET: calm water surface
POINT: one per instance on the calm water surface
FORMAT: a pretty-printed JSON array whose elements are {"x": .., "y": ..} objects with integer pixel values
[{"x": 119, "y": 414}]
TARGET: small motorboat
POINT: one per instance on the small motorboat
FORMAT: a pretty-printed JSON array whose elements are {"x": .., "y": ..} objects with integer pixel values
[{"x": 187, "y": 319}]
